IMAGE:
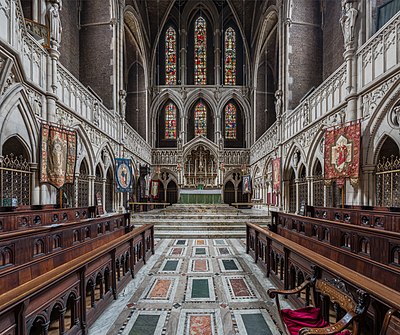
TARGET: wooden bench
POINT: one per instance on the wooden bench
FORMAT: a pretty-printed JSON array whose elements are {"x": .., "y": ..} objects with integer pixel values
[{"x": 332, "y": 291}]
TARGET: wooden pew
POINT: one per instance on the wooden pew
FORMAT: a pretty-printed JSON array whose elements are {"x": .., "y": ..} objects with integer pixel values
[
  {"x": 264, "y": 246},
  {"x": 20, "y": 306}
]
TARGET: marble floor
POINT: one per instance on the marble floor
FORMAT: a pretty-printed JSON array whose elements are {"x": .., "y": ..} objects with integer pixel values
[{"x": 190, "y": 287}]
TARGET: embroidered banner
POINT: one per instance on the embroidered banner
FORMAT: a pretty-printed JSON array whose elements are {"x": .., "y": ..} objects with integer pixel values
[
  {"x": 58, "y": 155},
  {"x": 276, "y": 175},
  {"x": 123, "y": 174},
  {"x": 246, "y": 185},
  {"x": 342, "y": 154},
  {"x": 154, "y": 189}
]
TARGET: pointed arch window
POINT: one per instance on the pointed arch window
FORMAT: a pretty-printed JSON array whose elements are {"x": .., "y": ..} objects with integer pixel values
[
  {"x": 230, "y": 121},
  {"x": 200, "y": 120},
  {"x": 200, "y": 52},
  {"x": 170, "y": 121},
  {"x": 230, "y": 56},
  {"x": 170, "y": 56}
]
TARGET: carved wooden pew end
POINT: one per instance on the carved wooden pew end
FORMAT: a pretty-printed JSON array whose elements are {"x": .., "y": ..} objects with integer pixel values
[{"x": 308, "y": 320}]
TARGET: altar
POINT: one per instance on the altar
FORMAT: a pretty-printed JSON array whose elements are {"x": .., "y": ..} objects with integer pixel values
[{"x": 193, "y": 196}]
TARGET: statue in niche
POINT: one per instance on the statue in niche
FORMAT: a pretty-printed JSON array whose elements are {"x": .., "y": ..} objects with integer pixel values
[
  {"x": 179, "y": 143},
  {"x": 54, "y": 22},
  {"x": 221, "y": 143},
  {"x": 395, "y": 117},
  {"x": 348, "y": 21},
  {"x": 122, "y": 103},
  {"x": 96, "y": 113},
  {"x": 296, "y": 158},
  {"x": 278, "y": 103},
  {"x": 217, "y": 94}
]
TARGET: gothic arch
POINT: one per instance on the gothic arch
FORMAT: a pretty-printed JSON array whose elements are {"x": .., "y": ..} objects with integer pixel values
[
  {"x": 375, "y": 129},
  {"x": 313, "y": 151},
  {"x": 21, "y": 142},
  {"x": 230, "y": 177},
  {"x": 380, "y": 143},
  {"x": 196, "y": 95},
  {"x": 162, "y": 98},
  {"x": 239, "y": 100},
  {"x": 211, "y": 120},
  {"x": 106, "y": 146},
  {"x": 162, "y": 24},
  {"x": 17, "y": 112},
  {"x": 89, "y": 155},
  {"x": 288, "y": 161},
  {"x": 196, "y": 142}
]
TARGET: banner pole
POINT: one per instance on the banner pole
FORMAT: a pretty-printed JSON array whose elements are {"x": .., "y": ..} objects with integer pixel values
[{"x": 343, "y": 196}]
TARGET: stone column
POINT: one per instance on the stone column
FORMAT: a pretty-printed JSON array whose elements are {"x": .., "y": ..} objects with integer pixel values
[
  {"x": 91, "y": 190},
  {"x": 35, "y": 191},
  {"x": 368, "y": 185},
  {"x": 296, "y": 181},
  {"x": 183, "y": 53},
  {"x": 217, "y": 58},
  {"x": 309, "y": 190},
  {"x": 51, "y": 93},
  {"x": 348, "y": 22}
]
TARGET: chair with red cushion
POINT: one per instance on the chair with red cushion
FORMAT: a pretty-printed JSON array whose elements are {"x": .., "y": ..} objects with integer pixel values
[{"x": 309, "y": 320}]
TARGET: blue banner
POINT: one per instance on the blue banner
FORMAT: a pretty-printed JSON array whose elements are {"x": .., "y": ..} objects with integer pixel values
[{"x": 123, "y": 175}]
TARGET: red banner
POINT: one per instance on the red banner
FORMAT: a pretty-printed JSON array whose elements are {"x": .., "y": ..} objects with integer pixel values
[
  {"x": 58, "y": 155},
  {"x": 342, "y": 154},
  {"x": 276, "y": 175}
]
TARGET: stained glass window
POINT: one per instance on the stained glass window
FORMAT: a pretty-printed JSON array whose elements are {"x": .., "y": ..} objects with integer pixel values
[
  {"x": 230, "y": 57},
  {"x": 200, "y": 119},
  {"x": 200, "y": 52},
  {"x": 230, "y": 121},
  {"x": 170, "y": 56},
  {"x": 170, "y": 121}
]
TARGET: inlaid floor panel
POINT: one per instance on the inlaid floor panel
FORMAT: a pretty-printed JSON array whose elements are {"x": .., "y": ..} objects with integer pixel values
[{"x": 194, "y": 286}]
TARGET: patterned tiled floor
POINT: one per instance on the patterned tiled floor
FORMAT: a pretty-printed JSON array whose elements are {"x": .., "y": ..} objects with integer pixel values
[{"x": 192, "y": 287}]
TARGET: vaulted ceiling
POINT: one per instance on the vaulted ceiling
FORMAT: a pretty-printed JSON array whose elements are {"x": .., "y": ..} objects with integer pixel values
[{"x": 247, "y": 13}]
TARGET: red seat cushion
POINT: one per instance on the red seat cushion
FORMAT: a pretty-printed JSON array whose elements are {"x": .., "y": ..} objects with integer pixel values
[{"x": 305, "y": 317}]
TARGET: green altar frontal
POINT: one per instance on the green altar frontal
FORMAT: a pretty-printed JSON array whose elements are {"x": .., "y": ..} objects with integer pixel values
[{"x": 200, "y": 196}]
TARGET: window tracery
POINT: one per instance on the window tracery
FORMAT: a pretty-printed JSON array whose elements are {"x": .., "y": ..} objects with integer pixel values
[
  {"x": 200, "y": 52},
  {"x": 170, "y": 56},
  {"x": 170, "y": 121},
  {"x": 230, "y": 56},
  {"x": 230, "y": 121},
  {"x": 200, "y": 120}
]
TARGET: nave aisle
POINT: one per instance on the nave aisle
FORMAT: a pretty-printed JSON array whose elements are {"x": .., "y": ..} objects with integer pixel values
[{"x": 193, "y": 286}]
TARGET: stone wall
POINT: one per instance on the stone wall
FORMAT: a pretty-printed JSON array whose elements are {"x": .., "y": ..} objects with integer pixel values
[
  {"x": 304, "y": 52},
  {"x": 96, "y": 49},
  {"x": 332, "y": 43},
  {"x": 69, "y": 48}
]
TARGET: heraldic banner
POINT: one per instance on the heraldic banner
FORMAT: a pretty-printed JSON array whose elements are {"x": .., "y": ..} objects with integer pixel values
[
  {"x": 342, "y": 154},
  {"x": 123, "y": 174},
  {"x": 246, "y": 187},
  {"x": 276, "y": 175},
  {"x": 58, "y": 155}
]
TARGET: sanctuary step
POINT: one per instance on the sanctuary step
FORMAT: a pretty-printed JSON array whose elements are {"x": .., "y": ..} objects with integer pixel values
[{"x": 200, "y": 220}]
